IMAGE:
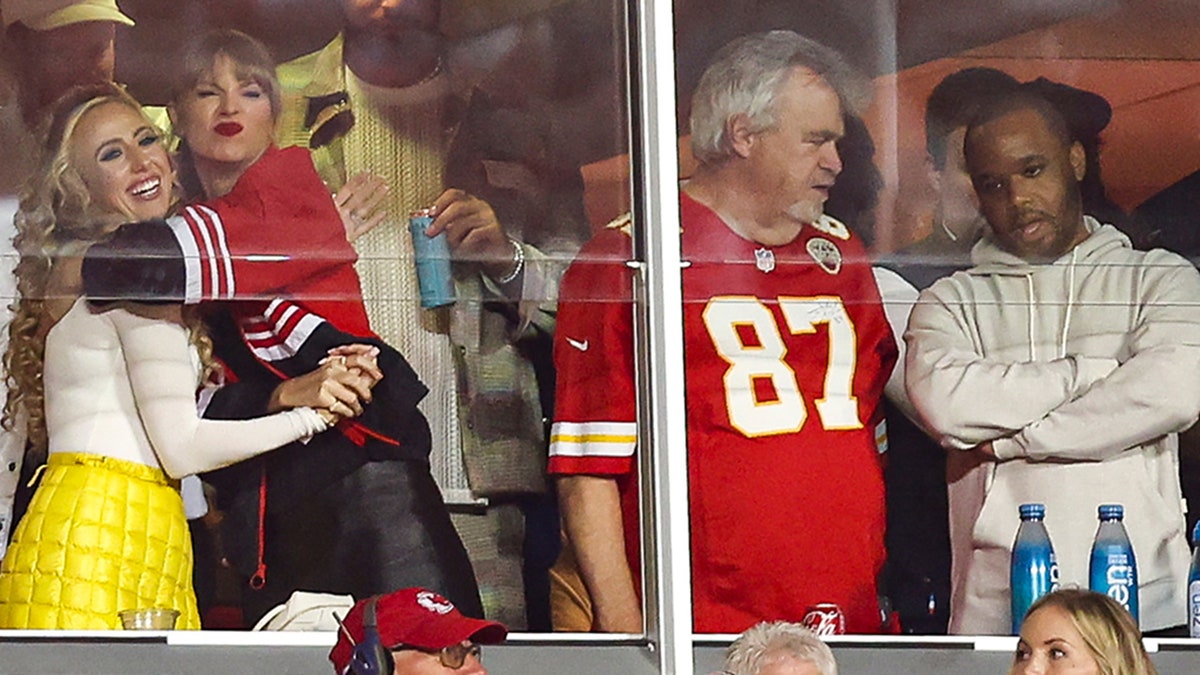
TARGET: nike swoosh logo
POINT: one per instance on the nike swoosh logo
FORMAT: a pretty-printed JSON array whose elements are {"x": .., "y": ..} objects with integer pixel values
[{"x": 581, "y": 346}]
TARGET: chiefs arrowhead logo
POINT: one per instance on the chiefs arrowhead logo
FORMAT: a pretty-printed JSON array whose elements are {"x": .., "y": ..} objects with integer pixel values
[
  {"x": 826, "y": 254},
  {"x": 434, "y": 602}
]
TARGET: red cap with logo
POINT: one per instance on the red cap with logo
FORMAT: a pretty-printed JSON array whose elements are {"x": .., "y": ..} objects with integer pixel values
[{"x": 415, "y": 617}]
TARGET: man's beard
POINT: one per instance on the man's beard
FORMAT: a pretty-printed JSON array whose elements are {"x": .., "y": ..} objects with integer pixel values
[{"x": 806, "y": 211}]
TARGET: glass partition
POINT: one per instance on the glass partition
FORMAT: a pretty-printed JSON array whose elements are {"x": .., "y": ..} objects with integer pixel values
[
  {"x": 487, "y": 131},
  {"x": 604, "y": 393}
]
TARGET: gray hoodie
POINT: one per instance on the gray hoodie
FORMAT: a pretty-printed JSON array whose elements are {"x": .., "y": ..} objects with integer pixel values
[{"x": 1080, "y": 371}]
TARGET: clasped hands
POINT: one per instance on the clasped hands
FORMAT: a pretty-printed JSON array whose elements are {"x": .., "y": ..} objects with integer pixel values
[{"x": 338, "y": 388}]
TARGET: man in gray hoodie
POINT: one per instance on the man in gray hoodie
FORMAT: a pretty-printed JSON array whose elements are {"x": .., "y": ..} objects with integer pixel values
[{"x": 1057, "y": 370}]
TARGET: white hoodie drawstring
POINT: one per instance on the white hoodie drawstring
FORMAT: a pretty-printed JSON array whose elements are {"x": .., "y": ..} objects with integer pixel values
[
  {"x": 1066, "y": 326},
  {"x": 1032, "y": 318},
  {"x": 1062, "y": 349}
]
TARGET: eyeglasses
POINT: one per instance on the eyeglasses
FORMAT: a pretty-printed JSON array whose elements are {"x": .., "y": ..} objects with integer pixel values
[{"x": 453, "y": 657}]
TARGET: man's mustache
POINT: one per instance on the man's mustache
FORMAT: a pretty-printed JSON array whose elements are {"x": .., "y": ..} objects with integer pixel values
[{"x": 1027, "y": 217}]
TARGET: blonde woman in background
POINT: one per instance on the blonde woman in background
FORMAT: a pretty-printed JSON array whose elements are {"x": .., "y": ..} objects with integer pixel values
[{"x": 1077, "y": 631}]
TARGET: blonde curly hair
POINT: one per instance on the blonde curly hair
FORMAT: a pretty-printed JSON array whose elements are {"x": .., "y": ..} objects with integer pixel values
[{"x": 55, "y": 221}]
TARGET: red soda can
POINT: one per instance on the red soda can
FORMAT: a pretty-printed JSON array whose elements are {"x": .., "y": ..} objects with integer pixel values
[{"x": 825, "y": 618}]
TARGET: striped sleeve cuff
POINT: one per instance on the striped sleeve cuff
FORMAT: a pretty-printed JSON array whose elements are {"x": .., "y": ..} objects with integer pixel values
[
  {"x": 206, "y": 255},
  {"x": 593, "y": 440}
]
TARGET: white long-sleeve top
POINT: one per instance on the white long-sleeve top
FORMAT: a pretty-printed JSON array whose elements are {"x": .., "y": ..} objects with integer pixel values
[
  {"x": 124, "y": 386},
  {"x": 12, "y": 443}
]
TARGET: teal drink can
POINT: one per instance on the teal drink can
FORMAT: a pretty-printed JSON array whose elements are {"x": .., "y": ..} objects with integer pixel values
[{"x": 432, "y": 255}]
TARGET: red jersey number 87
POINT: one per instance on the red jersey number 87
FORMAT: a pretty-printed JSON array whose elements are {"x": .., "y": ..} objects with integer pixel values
[{"x": 750, "y": 364}]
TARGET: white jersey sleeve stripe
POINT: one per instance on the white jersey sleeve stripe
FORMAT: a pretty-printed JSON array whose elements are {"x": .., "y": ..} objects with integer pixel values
[
  {"x": 281, "y": 331},
  {"x": 593, "y": 439},
  {"x": 226, "y": 260},
  {"x": 601, "y": 428},
  {"x": 193, "y": 287},
  {"x": 209, "y": 255}
]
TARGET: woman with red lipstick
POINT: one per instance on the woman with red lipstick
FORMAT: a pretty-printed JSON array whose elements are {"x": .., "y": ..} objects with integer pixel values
[
  {"x": 109, "y": 396},
  {"x": 366, "y": 517},
  {"x": 224, "y": 106}
]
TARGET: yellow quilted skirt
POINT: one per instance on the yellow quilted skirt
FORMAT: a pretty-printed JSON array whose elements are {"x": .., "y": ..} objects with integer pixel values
[{"x": 101, "y": 535}]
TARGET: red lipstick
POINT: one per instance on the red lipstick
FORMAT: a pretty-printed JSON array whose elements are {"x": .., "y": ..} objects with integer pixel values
[{"x": 228, "y": 129}]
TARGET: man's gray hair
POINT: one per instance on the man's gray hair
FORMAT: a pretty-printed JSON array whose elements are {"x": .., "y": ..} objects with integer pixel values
[
  {"x": 748, "y": 654},
  {"x": 745, "y": 77}
]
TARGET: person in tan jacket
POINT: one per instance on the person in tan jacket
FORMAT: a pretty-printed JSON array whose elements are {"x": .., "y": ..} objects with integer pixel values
[{"x": 1058, "y": 370}]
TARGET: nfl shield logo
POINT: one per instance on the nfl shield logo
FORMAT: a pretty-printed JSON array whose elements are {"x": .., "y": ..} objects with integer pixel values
[{"x": 764, "y": 260}]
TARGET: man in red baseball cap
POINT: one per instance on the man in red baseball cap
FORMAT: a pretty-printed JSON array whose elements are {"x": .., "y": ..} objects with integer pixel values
[{"x": 421, "y": 632}]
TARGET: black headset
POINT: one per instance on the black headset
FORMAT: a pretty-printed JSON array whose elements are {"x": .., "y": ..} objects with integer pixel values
[{"x": 370, "y": 657}]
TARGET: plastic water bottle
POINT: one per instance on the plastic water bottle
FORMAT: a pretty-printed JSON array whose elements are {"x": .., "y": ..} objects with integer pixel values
[
  {"x": 1114, "y": 570},
  {"x": 1194, "y": 587},
  {"x": 1034, "y": 571}
]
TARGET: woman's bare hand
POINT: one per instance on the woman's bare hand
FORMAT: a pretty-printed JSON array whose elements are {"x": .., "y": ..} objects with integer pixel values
[
  {"x": 331, "y": 418},
  {"x": 359, "y": 203},
  {"x": 359, "y": 358}
]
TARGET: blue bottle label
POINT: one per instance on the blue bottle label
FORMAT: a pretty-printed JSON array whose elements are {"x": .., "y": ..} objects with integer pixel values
[
  {"x": 1034, "y": 574},
  {"x": 1119, "y": 579},
  {"x": 1194, "y": 608},
  {"x": 1115, "y": 574}
]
